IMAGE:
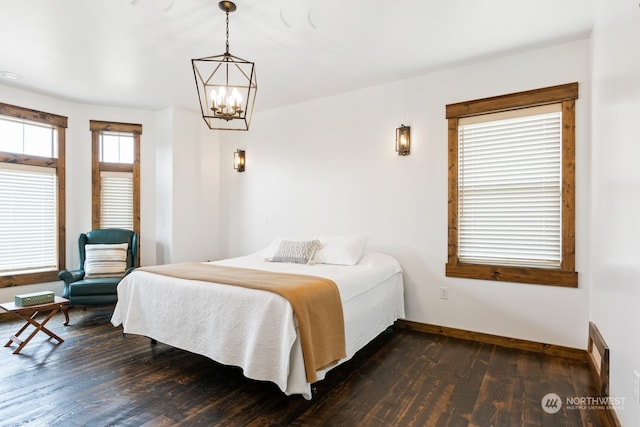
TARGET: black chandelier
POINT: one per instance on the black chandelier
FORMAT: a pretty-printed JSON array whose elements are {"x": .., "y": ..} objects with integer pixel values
[{"x": 226, "y": 86}]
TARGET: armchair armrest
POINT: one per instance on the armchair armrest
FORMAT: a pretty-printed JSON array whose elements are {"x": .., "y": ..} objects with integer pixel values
[
  {"x": 70, "y": 276},
  {"x": 129, "y": 270}
]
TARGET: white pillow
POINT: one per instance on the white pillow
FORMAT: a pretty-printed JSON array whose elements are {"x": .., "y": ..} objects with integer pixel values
[
  {"x": 340, "y": 250},
  {"x": 295, "y": 251},
  {"x": 105, "y": 260}
]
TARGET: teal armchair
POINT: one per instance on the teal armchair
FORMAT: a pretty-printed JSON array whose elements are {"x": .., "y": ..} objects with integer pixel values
[{"x": 96, "y": 282}]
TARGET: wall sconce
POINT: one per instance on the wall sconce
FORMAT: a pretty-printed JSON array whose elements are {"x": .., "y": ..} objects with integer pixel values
[
  {"x": 403, "y": 140},
  {"x": 238, "y": 160}
]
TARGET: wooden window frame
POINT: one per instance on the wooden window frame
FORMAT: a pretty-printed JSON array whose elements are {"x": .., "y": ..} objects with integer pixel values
[
  {"x": 60, "y": 122},
  {"x": 97, "y": 127},
  {"x": 564, "y": 276}
]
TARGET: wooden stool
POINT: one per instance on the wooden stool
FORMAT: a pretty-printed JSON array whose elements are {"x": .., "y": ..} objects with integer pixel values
[{"x": 30, "y": 313}]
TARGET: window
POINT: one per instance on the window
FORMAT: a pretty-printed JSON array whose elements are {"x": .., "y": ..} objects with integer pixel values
[
  {"x": 32, "y": 212},
  {"x": 511, "y": 187},
  {"x": 116, "y": 175}
]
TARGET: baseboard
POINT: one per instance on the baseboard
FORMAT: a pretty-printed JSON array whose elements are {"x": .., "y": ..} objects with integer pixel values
[{"x": 550, "y": 349}]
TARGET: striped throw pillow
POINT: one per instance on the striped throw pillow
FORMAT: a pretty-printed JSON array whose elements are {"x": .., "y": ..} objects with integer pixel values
[{"x": 105, "y": 260}]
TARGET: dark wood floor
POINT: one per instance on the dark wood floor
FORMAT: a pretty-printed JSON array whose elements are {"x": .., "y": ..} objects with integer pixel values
[{"x": 98, "y": 377}]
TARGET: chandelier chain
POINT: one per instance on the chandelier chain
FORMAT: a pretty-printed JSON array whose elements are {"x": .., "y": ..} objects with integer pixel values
[{"x": 227, "y": 32}]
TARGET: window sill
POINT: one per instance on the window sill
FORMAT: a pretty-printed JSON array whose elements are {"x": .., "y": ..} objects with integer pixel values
[
  {"x": 29, "y": 278},
  {"x": 534, "y": 276}
]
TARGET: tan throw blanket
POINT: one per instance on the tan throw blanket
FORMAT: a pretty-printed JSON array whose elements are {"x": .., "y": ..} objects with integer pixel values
[{"x": 315, "y": 301}]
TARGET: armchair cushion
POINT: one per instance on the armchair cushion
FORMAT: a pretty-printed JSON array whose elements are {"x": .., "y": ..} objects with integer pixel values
[
  {"x": 102, "y": 286},
  {"x": 105, "y": 260}
]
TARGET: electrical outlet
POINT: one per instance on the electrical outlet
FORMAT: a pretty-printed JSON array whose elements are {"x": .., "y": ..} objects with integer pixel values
[
  {"x": 444, "y": 292},
  {"x": 636, "y": 385}
]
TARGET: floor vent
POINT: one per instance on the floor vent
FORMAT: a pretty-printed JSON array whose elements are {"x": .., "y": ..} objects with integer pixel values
[{"x": 598, "y": 355}]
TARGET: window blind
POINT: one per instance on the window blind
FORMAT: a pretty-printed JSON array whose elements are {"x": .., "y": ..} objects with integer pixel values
[
  {"x": 509, "y": 188},
  {"x": 116, "y": 200},
  {"x": 28, "y": 218}
]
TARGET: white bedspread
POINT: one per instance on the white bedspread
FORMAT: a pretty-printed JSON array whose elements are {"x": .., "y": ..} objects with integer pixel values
[{"x": 254, "y": 329}]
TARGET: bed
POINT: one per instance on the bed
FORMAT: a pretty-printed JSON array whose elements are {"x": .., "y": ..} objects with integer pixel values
[{"x": 256, "y": 329}]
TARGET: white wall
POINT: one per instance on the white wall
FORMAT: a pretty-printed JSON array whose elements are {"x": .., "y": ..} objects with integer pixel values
[
  {"x": 615, "y": 207},
  {"x": 164, "y": 186},
  {"x": 188, "y": 189},
  {"x": 329, "y": 166}
]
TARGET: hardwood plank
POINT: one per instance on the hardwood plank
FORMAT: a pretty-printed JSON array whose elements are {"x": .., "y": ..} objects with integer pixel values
[{"x": 98, "y": 377}]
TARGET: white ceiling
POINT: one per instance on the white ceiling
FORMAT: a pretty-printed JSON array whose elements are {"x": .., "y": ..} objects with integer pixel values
[{"x": 136, "y": 53}]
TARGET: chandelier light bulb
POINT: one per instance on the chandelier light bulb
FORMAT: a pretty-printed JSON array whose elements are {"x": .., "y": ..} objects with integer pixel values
[
  {"x": 237, "y": 98},
  {"x": 221, "y": 96}
]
